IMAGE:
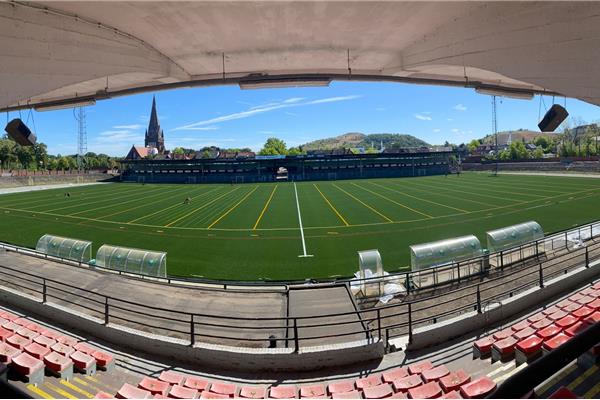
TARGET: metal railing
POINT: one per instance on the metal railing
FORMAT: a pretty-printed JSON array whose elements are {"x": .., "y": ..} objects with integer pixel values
[
  {"x": 413, "y": 280},
  {"x": 379, "y": 323}
]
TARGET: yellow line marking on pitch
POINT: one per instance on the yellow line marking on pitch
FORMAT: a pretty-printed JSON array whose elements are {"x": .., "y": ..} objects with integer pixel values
[
  {"x": 264, "y": 208},
  {"x": 331, "y": 205},
  {"x": 582, "y": 377},
  {"x": 542, "y": 390},
  {"x": 58, "y": 390},
  {"x": 31, "y": 387},
  {"x": 419, "y": 198},
  {"x": 143, "y": 204},
  {"x": 233, "y": 208},
  {"x": 76, "y": 389},
  {"x": 201, "y": 207},
  {"x": 393, "y": 201},
  {"x": 174, "y": 205},
  {"x": 363, "y": 203}
]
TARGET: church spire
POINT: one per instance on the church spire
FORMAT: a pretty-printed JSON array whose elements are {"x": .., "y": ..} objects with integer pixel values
[{"x": 154, "y": 135}]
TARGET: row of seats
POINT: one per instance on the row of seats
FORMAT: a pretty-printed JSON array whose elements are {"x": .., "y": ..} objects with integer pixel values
[
  {"x": 418, "y": 381},
  {"x": 31, "y": 350},
  {"x": 531, "y": 337}
]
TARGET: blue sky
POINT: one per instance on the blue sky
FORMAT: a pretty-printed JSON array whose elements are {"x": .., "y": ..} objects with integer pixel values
[{"x": 226, "y": 116}]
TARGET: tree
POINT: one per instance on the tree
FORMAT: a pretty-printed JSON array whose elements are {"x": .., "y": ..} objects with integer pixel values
[
  {"x": 178, "y": 150},
  {"x": 273, "y": 146},
  {"x": 6, "y": 152},
  {"x": 472, "y": 146},
  {"x": 538, "y": 153},
  {"x": 24, "y": 155}
]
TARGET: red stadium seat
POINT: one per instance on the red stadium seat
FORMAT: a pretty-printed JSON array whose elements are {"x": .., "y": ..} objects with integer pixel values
[
  {"x": 180, "y": 392},
  {"x": 524, "y": 333},
  {"x": 172, "y": 377},
  {"x": 555, "y": 341},
  {"x": 283, "y": 392},
  {"x": 128, "y": 391},
  {"x": 227, "y": 389},
  {"x": 550, "y": 310},
  {"x": 593, "y": 318},
  {"x": 25, "y": 365},
  {"x": 194, "y": 382},
  {"x": 18, "y": 341},
  {"x": 154, "y": 386},
  {"x": 429, "y": 390},
  {"x": 504, "y": 349},
  {"x": 84, "y": 348},
  {"x": 567, "y": 321},
  {"x": 8, "y": 315},
  {"x": 69, "y": 341},
  {"x": 59, "y": 365},
  {"x": 528, "y": 350},
  {"x": 571, "y": 307},
  {"x": 541, "y": 324},
  {"x": 557, "y": 315},
  {"x": 62, "y": 349},
  {"x": 586, "y": 300},
  {"x": 520, "y": 325},
  {"x": 83, "y": 361},
  {"x": 5, "y": 334},
  {"x": 563, "y": 393},
  {"x": 536, "y": 317},
  {"x": 393, "y": 374},
  {"x": 11, "y": 326},
  {"x": 7, "y": 352},
  {"x": 483, "y": 347},
  {"x": 596, "y": 286},
  {"x": 409, "y": 382},
  {"x": 453, "y": 381},
  {"x": 44, "y": 341},
  {"x": 103, "y": 360},
  {"x": 341, "y": 387},
  {"x": 435, "y": 374},
  {"x": 399, "y": 395},
  {"x": 594, "y": 304},
  {"x": 253, "y": 392},
  {"x": 503, "y": 334},
  {"x": 577, "y": 328},
  {"x": 50, "y": 333},
  {"x": 368, "y": 381},
  {"x": 103, "y": 395},
  {"x": 582, "y": 312},
  {"x": 587, "y": 291},
  {"x": 28, "y": 333},
  {"x": 37, "y": 350},
  {"x": 419, "y": 367},
  {"x": 378, "y": 392},
  {"x": 347, "y": 395},
  {"x": 313, "y": 391},
  {"x": 563, "y": 303},
  {"x": 576, "y": 297},
  {"x": 478, "y": 389},
  {"x": 549, "y": 331}
]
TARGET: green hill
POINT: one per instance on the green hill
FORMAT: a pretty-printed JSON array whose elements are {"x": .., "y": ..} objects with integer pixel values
[{"x": 357, "y": 139}]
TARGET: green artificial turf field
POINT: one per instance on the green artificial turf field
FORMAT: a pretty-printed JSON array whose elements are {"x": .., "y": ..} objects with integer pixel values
[{"x": 252, "y": 231}]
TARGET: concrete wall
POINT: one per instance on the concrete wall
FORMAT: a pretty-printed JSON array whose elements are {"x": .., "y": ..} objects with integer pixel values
[
  {"x": 528, "y": 300},
  {"x": 15, "y": 181},
  {"x": 205, "y": 355}
]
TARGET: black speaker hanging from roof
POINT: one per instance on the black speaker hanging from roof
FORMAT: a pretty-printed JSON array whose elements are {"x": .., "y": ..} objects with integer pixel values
[
  {"x": 553, "y": 118},
  {"x": 20, "y": 133}
]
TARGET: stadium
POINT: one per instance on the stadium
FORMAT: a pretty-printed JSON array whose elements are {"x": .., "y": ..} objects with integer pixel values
[{"x": 397, "y": 271}]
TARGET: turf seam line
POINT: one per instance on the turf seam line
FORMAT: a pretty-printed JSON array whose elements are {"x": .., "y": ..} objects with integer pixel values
[{"x": 201, "y": 207}]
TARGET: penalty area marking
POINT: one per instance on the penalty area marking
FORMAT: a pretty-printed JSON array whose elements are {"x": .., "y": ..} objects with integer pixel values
[{"x": 300, "y": 224}]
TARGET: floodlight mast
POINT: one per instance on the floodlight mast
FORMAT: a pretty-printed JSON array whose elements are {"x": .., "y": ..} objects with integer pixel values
[{"x": 495, "y": 130}]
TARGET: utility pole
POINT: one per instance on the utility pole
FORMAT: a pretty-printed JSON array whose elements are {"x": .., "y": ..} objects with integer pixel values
[
  {"x": 495, "y": 130},
  {"x": 81, "y": 136}
]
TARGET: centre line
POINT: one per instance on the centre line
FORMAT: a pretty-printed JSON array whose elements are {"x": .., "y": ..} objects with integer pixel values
[{"x": 300, "y": 222}]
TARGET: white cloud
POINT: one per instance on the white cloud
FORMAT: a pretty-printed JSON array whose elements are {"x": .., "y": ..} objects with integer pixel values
[
  {"x": 437, "y": 130},
  {"x": 449, "y": 119},
  {"x": 423, "y": 117},
  {"x": 133, "y": 126},
  {"x": 460, "y": 107},
  {"x": 380, "y": 109},
  {"x": 252, "y": 111},
  {"x": 454, "y": 130},
  {"x": 202, "y": 128}
]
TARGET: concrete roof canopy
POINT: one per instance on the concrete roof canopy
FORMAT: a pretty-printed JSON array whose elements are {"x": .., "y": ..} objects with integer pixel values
[{"x": 63, "y": 52}]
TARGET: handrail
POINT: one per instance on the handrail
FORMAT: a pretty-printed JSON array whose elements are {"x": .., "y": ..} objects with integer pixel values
[{"x": 149, "y": 316}]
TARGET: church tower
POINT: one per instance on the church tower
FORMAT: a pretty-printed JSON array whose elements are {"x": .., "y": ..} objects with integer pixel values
[{"x": 154, "y": 134}]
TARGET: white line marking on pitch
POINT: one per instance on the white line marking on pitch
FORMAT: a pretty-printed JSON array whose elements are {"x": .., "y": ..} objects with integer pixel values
[{"x": 300, "y": 222}]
